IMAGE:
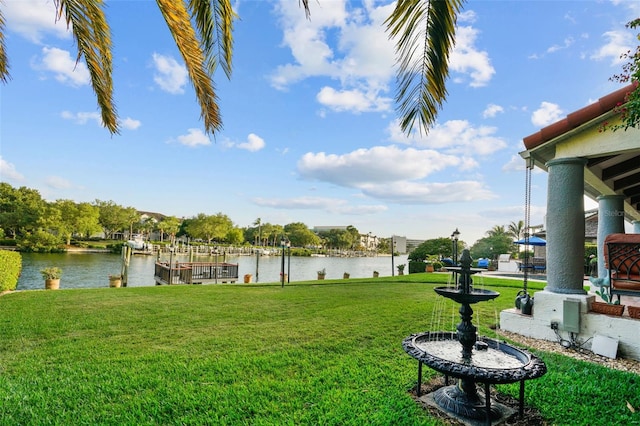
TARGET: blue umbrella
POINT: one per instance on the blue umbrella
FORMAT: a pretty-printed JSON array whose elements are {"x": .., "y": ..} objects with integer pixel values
[{"x": 532, "y": 241}]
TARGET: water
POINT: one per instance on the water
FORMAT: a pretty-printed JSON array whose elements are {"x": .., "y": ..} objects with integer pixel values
[
  {"x": 91, "y": 270},
  {"x": 451, "y": 350}
]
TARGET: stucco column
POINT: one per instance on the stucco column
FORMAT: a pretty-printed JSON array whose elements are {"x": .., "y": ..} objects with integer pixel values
[
  {"x": 636, "y": 226},
  {"x": 610, "y": 221},
  {"x": 565, "y": 226}
]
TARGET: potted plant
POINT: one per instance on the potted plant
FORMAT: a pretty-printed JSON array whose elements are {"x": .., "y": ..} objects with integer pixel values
[
  {"x": 321, "y": 274},
  {"x": 115, "y": 280},
  {"x": 608, "y": 305},
  {"x": 401, "y": 269},
  {"x": 376, "y": 274},
  {"x": 346, "y": 276},
  {"x": 51, "y": 277}
]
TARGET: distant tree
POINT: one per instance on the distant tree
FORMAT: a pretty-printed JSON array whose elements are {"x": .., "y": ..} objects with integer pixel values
[
  {"x": 235, "y": 236},
  {"x": 210, "y": 227},
  {"x": 497, "y": 230},
  {"x": 87, "y": 221},
  {"x": 516, "y": 230},
  {"x": 113, "y": 217},
  {"x": 342, "y": 239},
  {"x": 75, "y": 219},
  {"x": 491, "y": 246},
  {"x": 300, "y": 235},
  {"x": 20, "y": 209},
  {"x": 169, "y": 225},
  {"x": 258, "y": 224},
  {"x": 438, "y": 247}
]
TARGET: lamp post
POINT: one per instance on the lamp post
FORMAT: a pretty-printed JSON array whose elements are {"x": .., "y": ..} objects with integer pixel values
[
  {"x": 454, "y": 253},
  {"x": 288, "y": 261},
  {"x": 170, "y": 264},
  {"x": 282, "y": 244},
  {"x": 215, "y": 270},
  {"x": 392, "y": 255}
]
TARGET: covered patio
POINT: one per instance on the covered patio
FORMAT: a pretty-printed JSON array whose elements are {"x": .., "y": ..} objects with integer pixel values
[{"x": 582, "y": 159}]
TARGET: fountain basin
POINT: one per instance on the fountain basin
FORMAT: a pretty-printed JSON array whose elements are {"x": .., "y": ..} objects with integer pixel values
[
  {"x": 498, "y": 363},
  {"x": 462, "y": 297}
]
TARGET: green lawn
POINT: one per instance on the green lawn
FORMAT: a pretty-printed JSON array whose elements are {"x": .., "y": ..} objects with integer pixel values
[{"x": 316, "y": 353}]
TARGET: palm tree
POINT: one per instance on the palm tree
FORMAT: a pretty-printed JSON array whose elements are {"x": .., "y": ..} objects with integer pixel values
[
  {"x": 202, "y": 30},
  {"x": 516, "y": 230},
  {"x": 497, "y": 231}
]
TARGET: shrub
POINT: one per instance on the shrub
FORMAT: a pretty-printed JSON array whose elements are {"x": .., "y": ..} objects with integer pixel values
[
  {"x": 416, "y": 267},
  {"x": 42, "y": 242},
  {"x": 11, "y": 262}
]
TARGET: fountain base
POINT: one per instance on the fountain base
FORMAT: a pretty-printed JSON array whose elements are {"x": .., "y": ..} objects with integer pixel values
[{"x": 453, "y": 402}]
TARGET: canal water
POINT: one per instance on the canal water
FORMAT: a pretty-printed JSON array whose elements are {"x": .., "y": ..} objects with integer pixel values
[{"x": 91, "y": 270}]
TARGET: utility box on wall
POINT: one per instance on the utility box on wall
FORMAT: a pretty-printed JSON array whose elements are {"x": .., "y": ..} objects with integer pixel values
[{"x": 571, "y": 315}]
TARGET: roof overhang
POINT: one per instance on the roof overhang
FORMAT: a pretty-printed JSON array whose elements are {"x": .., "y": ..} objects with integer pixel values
[{"x": 613, "y": 157}]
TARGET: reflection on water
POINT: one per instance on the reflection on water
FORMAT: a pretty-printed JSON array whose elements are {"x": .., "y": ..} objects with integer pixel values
[{"x": 91, "y": 270}]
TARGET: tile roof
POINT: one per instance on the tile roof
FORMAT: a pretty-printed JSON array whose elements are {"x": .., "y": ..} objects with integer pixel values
[{"x": 579, "y": 117}]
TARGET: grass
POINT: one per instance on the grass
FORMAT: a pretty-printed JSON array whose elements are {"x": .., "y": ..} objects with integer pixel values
[{"x": 312, "y": 353}]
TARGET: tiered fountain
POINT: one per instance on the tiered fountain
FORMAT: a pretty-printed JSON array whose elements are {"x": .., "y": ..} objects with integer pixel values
[{"x": 471, "y": 360}]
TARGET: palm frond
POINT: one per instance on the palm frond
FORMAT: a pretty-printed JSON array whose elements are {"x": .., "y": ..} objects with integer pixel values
[
  {"x": 4, "y": 60},
  {"x": 91, "y": 33},
  {"x": 425, "y": 33},
  {"x": 177, "y": 18},
  {"x": 214, "y": 23}
]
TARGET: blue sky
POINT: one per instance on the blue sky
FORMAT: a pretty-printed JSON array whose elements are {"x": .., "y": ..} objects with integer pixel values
[{"x": 310, "y": 130}]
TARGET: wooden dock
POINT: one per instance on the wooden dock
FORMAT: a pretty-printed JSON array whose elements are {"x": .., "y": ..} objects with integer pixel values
[{"x": 195, "y": 273}]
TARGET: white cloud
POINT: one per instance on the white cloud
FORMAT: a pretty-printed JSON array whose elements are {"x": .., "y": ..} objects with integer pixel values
[
  {"x": 467, "y": 59},
  {"x": 82, "y": 117},
  {"x": 547, "y": 113},
  {"x": 353, "y": 100},
  {"x": 170, "y": 75},
  {"x": 430, "y": 192},
  {"x": 33, "y": 19},
  {"x": 8, "y": 171},
  {"x": 331, "y": 205},
  {"x": 619, "y": 42},
  {"x": 568, "y": 42},
  {"x": 130, "y": 124},
  {"x": 193, "y": 138},
  {"x": 64, "y": 67},
  {"x": 374, "y": 165},
  {"x": 254, "y": 143},
  {"x": 361, "y": 62},
  {"x": 453, "y": 137},
  {"x": 57, "y": 182},
  {"x": 515, "y": 164},
  {"x": 492, "y": 110}
]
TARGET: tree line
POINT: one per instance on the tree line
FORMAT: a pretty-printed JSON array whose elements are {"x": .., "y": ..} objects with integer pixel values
[
  {"x": 498, "y": 240},
  {"x": 34, "y": 224}
]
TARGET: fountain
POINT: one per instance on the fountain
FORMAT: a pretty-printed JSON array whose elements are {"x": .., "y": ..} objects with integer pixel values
[{"x": 471, "y": 360}]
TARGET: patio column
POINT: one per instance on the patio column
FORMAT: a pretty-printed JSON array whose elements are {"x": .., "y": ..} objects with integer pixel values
[
  {"x": 565, "y": 226},
  {"x": 610, "y": 221}
]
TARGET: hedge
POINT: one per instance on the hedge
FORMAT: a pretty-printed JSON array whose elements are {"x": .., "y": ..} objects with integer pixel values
[{"x": 10, "y": 272}]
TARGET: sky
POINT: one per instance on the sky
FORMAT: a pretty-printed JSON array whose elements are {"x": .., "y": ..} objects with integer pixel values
[{"x": 310, "y": 130}]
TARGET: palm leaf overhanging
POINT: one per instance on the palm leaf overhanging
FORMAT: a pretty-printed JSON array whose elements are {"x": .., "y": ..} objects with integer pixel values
[
  {"x": 91, "y": 32},
  {"x": 198, "y": 52},
  {"x": 425, "y": 32},
  {"x": 4, "y": 61}
]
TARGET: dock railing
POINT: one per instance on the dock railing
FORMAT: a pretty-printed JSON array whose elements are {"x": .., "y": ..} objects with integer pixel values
[{"x": 195, "y": 272}]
